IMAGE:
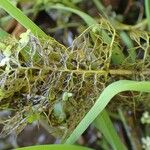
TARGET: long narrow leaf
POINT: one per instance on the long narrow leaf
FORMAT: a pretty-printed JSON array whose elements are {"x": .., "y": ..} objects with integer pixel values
[
  {"x": 104, "y": 124},
  {"x": 88, "y": 19},
  {"x": 103, "y": 100},
  {"x": 147, "y": 11},
  {"x": 21, "y": 18},
  {"x": 54, "y": 147}
]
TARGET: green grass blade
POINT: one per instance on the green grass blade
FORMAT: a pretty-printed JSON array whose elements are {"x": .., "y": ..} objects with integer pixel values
[
  {"x": 54, "y": 147},
  {"x": 104, "y": 124},
  {"x": 103, "y": 100},
  {"x": 21, "y": 18},
  {"x": 147, "y": 11},
  {"x": 128, "y": 42},
  {"x": 100, "y": 7},
  {"x": 127, "y": 129},
  {"x": 88, "y": 19},
  {"x": 124, "y": 36}
]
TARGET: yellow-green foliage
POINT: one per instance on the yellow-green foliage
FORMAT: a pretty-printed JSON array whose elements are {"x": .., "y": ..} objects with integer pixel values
[{"x": 41, "y": 78}]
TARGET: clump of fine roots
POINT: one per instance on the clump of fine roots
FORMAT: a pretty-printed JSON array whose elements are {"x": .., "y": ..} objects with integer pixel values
[{"x": 42, "y": 80}]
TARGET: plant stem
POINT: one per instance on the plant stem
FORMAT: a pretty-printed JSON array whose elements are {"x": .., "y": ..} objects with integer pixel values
[
  {"x": 127, "y": 129},
  {"x": 111, "y": 71},
  {"x": 147, "y": 11}
]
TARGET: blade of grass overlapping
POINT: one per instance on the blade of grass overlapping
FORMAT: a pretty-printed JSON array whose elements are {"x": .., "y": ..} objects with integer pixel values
[
  {"x": 104, "y": 124},
  {"x": 21, "y": 18},
  {"x": 103, "y": 100},
  {"x": 54, "y": 147},
  {"x": 147, "y": 11},
  {"x": 128, "y": 42},
  {"x": 127, "y": 128},
  {"x": 100, "y": 7},
  {"x": 88, "y": 19}
]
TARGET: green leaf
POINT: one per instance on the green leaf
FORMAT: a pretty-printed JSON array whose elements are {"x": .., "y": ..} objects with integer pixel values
[
  {"x": 21, "y": 18},
  {"x": 54, "y": 147},
  {"x": 105, "y": 97},
  {"x": 88, "y": 19},
  {"x": 104, "y": 124},
  {"x": 147, "y": 11}
]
